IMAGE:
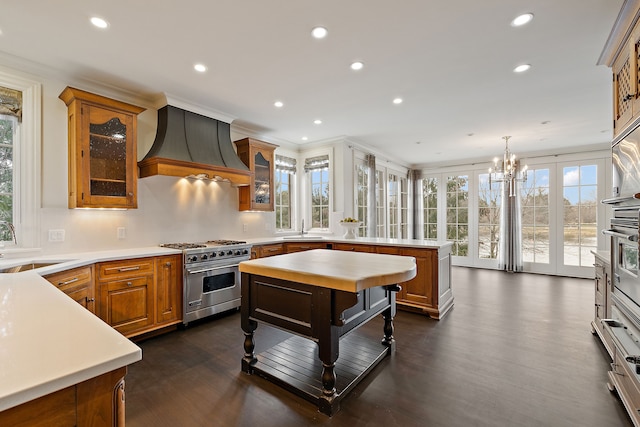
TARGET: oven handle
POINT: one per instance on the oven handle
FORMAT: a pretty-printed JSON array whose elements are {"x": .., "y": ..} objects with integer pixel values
[
  {"x": 204, "y": 270},
  {"x": 632, "y": 238}
]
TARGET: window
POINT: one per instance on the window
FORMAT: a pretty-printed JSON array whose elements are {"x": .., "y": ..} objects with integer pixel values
[
  {"x": 430, "y": 206},
  {"x": 535, "y": 216},
  {"x": 285, "y": 169},
  {"x": 458, "y": 214},
  {"x": 8, "y": 131},
  {"x": 380, "y": 204},
  {"x": 580, "y": 191},
  {"x": 489, "y": 199},
  {"x": 317, "y": 169},
  {"x": 404, "y": 208},
  {"x": 392, "y": 200},
  {"x": 362, "y": 198}
]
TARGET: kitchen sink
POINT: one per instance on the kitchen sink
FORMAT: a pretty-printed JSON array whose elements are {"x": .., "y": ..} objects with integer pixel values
[
  {"x": 305, "y": 237},
  {"x": 27, "y": 266}
]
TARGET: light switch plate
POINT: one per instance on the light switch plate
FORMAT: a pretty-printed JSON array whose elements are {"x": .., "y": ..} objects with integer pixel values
[{"x": 56, "y": 235}]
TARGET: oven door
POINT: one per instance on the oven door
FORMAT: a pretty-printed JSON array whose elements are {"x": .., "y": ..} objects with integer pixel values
[
  {"x": 624, "y": 262},
  {"x": 211, "y": 289}
]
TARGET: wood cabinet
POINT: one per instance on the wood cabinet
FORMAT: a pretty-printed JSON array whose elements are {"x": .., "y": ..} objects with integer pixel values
[
  {"x": 621, "y": 53},
  {"x": 429, "y": 292},
  {"x": 102, "y": 151},
  {"x": 78, "y": 283},
  {"x": 169, "y": 295},
  {"x": 96, "y": 402},
  {"x": 259, "y": 158},
  {"x": 140, "y": 295}
]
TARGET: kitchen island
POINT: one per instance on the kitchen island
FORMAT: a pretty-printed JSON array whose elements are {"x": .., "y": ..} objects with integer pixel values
[
  {"x": 320, "y": 295},
  {"x": 58, "y": 362},
  {"x": 429, "y": 292}
]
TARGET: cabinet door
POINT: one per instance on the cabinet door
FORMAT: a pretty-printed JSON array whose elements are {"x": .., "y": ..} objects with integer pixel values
[
  {"x": 108, "y": 157},
  {"x": 623, "y": 91},
  {"x": 168, "y": 289},
  {"x": 259, "y": 158},
  {"x": 128, "y": 304},
  {"x": 420, "y": 289}
]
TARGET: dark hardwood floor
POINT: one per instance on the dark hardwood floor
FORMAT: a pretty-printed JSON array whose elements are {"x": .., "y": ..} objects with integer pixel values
[{"x": 516, "y": 350}]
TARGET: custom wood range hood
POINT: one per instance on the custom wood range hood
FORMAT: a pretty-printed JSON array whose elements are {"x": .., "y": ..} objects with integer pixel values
[{"x": 191, "y": 145}]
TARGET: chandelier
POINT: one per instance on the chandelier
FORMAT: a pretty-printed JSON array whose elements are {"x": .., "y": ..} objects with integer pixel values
[{"x": 507, "y": 171}]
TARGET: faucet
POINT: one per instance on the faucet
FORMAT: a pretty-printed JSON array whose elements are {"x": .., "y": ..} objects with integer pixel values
[
  {"x": 302, "y": 232},
  {"x": 12, "y": 229}
]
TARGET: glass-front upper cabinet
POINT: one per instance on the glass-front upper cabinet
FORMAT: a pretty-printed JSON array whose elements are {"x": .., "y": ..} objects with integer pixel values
[
  {"x": 259, "y": 158},
  {"x": 102, "y": 151}
]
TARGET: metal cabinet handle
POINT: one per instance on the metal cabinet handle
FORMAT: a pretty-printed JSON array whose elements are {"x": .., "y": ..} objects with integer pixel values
[
  {"x": 137, "y": 267},
  {"x": 631, "y": 238},
  {"x": 129, "y": 283},
  {"x": 75, "y": 279}
]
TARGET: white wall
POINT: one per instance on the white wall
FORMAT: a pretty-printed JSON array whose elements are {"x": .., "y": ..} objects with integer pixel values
[{"x": 169, "y": 209}]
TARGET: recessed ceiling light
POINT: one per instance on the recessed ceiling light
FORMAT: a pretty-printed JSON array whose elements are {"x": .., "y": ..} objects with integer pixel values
[
  {"x": 319, "y": 32},
  {"x": 525, "y": 18},
  {"x": 99, "y": 22},
  {"x": 357, "y": 65},
  {"x": 278, "y": 104},
  {"x": 304, "y": 138},
  {"x": 317, "y": 121},
  {"x": 201, "y": 68},
  {"x": 546, "y": 122},
  {"x": 521, "y": 68},
  {"x": 397, "y": 100}
]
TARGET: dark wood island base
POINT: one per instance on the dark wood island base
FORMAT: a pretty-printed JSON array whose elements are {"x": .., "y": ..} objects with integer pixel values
[{"x": 307, "y": 363}]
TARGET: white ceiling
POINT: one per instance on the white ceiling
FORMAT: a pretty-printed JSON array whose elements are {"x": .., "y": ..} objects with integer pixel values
[{"x": 451, "y": 62}]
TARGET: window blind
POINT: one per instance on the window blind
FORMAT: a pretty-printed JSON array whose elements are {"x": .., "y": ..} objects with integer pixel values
[
  {"x": 317, "y": 163},
  {"x": 286, "y": 164},
  {"x": 11, "y": 102}
]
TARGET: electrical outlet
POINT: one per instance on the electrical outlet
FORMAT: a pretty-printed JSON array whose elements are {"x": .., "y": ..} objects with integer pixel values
[
  {"x": 56, "y": 235},
  {"x": 122, "y": 233},
  {"x": 245, "y": 227}
]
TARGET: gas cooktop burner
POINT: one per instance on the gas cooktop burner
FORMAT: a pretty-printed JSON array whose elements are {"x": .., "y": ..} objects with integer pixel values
[
  {"x": 226, "y": 242},
  {"x": 182, "y": 246}
]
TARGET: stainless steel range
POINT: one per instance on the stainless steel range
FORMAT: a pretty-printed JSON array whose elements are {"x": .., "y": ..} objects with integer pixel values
[{"x": 211, "y": 278}]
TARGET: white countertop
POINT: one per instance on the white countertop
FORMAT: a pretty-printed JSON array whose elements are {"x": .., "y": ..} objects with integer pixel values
[
  {"x": 49, "y": 342},
  {"x": 409, "y": 243}
]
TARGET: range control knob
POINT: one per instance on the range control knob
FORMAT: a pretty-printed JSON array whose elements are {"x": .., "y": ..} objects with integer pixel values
[
  {"x": 245, "y": 252},
  {"x": 229, "y": 252},
  {"x": 213, "y": 255},
  {"x": 221, "y": 253},
  {"x": 238, "y": 253},
  {"x": 204, "y": 257},
  {"x": 192, "y": 258}
]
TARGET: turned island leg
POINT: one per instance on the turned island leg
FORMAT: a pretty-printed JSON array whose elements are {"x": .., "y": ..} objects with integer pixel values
[
  {"x": 248, "y": 326},
  {"x": 388, "y": 315}
]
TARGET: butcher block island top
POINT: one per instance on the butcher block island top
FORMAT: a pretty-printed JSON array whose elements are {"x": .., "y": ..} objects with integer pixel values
[
  {"x": 320, "y": 296},
  {"x": 344, "y": 271}
]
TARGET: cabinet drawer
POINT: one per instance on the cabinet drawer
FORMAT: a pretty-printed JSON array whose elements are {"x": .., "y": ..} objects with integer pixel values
[
  {"x": 300, "y": 247},
  {"x": 389, "y": 250},
  {"x": 70, "y": 279},
  {"x": 127, "y": 268},
  {"x": 353, "y": 247},
  {"x": 627, "y": 379},
  {"x": 270, "y": 250}
]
